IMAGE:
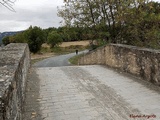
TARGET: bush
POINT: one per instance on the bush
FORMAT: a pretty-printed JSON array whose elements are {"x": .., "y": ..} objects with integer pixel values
[
  {"x": 54, "y": 39},
  {"x": 35, "y": 38}
]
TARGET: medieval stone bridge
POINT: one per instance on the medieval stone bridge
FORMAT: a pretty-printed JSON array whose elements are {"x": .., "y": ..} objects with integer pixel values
[{"x": 115, "y": 82}]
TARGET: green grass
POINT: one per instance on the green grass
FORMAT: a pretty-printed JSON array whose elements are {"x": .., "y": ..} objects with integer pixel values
[
  {"x": 74, "y": 60},
  {"x": 36, "y": 60},
  {"x": 66, "y": 50},
  {"x": 61, "y": 51},
  {"x": 45, "y": 50}
]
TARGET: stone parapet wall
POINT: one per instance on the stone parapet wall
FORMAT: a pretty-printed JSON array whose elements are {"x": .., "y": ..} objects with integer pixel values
[
  {"x": 14, "y": 66},
  {"x": 93, "y": 57},
  {"x": 141, "y": 62}
]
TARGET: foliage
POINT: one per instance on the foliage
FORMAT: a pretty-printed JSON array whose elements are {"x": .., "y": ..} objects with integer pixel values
[
  {"x": 54, "y": 39},
  {"x": 97, "y": 15},
  {"x": 47, "y": 31},
  {"x": 142, "y": 25},
  {"x": 74, "y": 60},
  {"x": 134, "y": 22},
  {"x": 35, "y": 38},
  {"x": 5, "y": 40}
]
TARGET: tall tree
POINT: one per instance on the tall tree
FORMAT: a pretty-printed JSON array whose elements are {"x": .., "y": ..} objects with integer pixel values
[
  {"x": 112, "y": 16},
  {"x": 54, "y": 39},
  {"x": 35, "y": 38}
]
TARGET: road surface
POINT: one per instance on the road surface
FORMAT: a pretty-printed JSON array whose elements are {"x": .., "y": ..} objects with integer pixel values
[
  {"x": 89, "y": 93},
  {"x": 57, "y": 61}
]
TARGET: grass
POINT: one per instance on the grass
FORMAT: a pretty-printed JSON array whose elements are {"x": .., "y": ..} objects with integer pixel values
[
  {"x": 36, "y": 60},
  {"x": 74, "y": 60},
  {"x": 61, "y": 51},
  {"x": 66, "y": 50}
]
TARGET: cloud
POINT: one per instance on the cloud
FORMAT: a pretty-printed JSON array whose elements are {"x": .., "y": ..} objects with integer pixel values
[{"x": 35, "y": 13}]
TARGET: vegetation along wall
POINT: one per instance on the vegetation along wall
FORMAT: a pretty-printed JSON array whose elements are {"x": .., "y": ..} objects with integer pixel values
[
  {"x": 142, "y": 62},
  {"x": 14, "y": 66}
]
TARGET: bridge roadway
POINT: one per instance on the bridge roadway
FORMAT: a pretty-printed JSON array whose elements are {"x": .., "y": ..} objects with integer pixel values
[{"x": 89, "y": 93}]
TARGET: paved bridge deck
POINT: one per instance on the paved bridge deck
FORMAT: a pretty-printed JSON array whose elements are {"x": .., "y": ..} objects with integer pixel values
[{"x": 89, "y": 93}]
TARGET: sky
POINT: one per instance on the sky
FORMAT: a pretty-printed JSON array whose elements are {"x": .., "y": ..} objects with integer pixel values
[{"x": 42, "y": 13}]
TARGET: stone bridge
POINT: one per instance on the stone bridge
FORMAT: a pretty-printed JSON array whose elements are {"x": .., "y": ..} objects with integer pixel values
[
  {"x": 121, "y": 83},
  {"x": 14, "y": 66}
]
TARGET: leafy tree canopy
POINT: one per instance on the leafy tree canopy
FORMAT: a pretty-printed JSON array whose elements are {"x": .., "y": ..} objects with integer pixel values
[
  {"x": 35, "y": 38},
  {"x": 134, "y": 22},
  {"x": 54, "y": 39}
]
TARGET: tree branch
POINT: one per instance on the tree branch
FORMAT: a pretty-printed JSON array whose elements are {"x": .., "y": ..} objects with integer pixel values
[{"x": 8, "y": 4}]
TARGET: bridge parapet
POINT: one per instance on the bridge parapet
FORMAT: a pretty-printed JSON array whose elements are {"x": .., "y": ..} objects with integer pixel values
[
  {"x": 14, "y": 66},
  {"x": 141, "y": 62}
]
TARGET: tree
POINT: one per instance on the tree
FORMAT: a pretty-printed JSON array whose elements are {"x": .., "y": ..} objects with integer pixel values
[
  {"x": 91, "y": 14},
  {"x": 8, "y": 4},
  {"x": 47, "y": 31},
  {"x": 5, "y": 40},
  {"x": 142, "y": 26},
  {"x": 134, "y": 22},
  {"x": 20, "y": 37},
  {"x": 54, "y": 39},
  {"x": 35, "y": 38}
]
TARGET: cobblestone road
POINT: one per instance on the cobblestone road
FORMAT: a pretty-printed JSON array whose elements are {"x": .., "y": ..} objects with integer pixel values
[{"x": 89, "y": 93}]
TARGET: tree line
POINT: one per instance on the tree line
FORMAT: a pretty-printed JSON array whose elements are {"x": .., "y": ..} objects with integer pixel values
[
  {"x": 36, "y": 36},
  {"x": 133, "y": 22}
]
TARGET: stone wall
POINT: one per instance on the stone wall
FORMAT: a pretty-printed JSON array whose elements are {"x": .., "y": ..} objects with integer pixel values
[
  {"x": 14, "y": 66},
  {"x": 141, "y": 62}
]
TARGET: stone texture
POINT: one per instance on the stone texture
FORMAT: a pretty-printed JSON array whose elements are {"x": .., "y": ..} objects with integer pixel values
[
  {"x": 88, "y": 93},
  {"x": 14, "y": 66},
  {"x": 141, "y": 62}
]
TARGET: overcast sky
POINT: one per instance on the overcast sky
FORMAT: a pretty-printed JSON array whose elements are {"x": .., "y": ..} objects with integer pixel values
[{"x": 42, "y": 13}]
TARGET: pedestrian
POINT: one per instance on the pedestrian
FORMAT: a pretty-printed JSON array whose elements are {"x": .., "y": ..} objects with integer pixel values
[{"x": 76, "y": 52}]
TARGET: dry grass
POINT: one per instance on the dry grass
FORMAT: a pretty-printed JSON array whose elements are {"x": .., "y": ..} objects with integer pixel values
[
  {"x": 41, "y": 55},
  {"x": 45, "y": 45},
  {"x": 64, "y": 48},
  {"x": 82, "y": 43}
]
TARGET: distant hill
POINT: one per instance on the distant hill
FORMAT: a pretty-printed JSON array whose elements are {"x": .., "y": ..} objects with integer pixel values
[{"x": 4, "y": 34}]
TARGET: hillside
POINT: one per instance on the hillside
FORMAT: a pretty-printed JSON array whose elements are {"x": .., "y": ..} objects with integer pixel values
[{"x": 2, "y": 35}]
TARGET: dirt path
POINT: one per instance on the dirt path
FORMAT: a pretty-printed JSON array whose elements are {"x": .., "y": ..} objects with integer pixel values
[{"x": 43, "y": 55}]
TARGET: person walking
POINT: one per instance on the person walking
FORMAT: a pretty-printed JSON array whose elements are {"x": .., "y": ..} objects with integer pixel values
[{"x": 76, "y": 52}]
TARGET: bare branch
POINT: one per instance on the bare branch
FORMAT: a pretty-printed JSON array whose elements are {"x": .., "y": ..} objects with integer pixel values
[{"x": 8, "y": 4}]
